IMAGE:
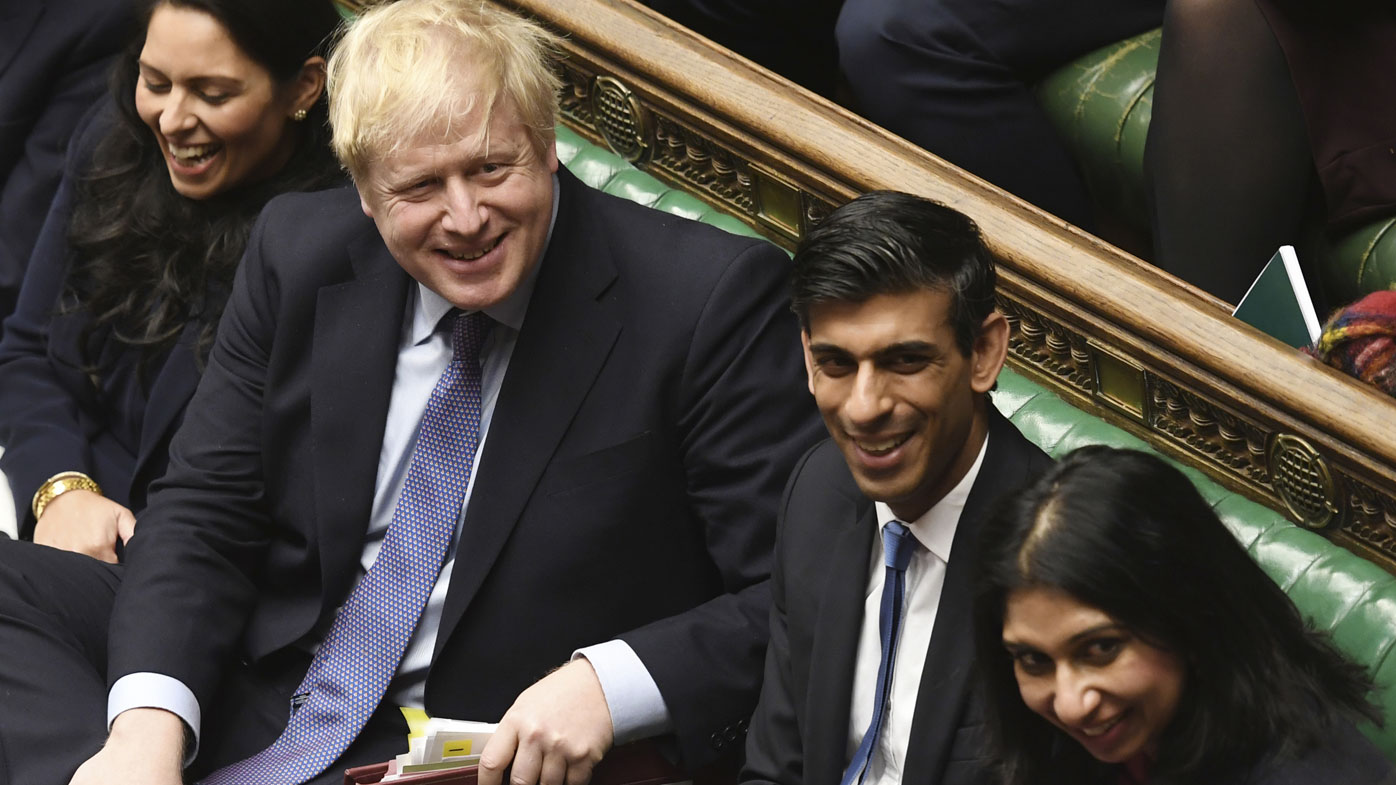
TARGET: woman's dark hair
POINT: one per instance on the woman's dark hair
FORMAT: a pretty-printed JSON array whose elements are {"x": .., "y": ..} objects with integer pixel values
[
  {"x": 1126, "y": 533},
  {"x": 147, "y": 261}
]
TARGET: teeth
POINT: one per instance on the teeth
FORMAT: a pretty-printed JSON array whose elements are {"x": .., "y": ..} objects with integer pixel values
[
  {"x": 883, "y": 446},
  {"x": 1099, "y": 730},
  {"x": 192, "y": 153},
  {"x": 466, "y": 257}
]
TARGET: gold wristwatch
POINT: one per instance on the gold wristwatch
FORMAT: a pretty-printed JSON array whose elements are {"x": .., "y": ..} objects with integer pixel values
[{"x": 59, "y": 484}]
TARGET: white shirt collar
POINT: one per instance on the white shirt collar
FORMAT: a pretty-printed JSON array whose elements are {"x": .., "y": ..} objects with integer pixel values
[
  {"x": 935, "y": 529},
  {"x": 428, "y": 307}
]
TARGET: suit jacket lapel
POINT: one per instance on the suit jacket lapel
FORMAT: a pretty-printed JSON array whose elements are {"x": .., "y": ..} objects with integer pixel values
[
  {"x": 946, "y": 677},
  {"x": 357, "y": 328},
  {"x": 836, "y": 649},
  {"x": 567, "y": 334}
]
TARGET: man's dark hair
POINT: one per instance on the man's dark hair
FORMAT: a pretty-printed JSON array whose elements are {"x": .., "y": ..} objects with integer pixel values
[
  {"x": 885, "y": 242},
  {"x": 1126, "y": 533}
]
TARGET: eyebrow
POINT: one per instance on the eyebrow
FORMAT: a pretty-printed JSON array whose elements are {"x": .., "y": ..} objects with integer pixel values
[
  {"x": 900, "y": 346},
  {"x": 228, "y": 81},
  {"x": 1089, "y": 632}
]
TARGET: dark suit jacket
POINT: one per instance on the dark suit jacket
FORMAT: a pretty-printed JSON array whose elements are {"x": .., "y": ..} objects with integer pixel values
[
  {"x": 799, "y": 733},
  {"x": 54, "y": 58},
  {"x": 653, "y": 406},
  {"x": 1349, "y": 758},
  {"x": 52, "y": 417}
]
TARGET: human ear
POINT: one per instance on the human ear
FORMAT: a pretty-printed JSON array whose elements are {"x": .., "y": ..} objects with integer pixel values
[
  {"x": 809, "y": 360},
  {"x": 306, "y": 88},
  {"x": 990, "y": 351}
]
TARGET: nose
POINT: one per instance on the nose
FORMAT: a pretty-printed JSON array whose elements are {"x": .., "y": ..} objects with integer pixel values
[
  {"x": 464, "y": 213},
  {"x": 1076, "y": 698},
  {"x": 175, "y": 116},
  {"x": 868, "y": 401}
]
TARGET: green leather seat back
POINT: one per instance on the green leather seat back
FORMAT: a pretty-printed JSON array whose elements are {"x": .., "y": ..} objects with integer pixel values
[
  {"x": 1101, "y": 105},
  {"x": 609, "y": 172},
  {"x": 1361, "y": 261}
]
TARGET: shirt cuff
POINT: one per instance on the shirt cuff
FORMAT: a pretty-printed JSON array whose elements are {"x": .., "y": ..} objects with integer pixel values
[
  {"x": 637, "y": 709},
  {"x": 157, "y": 691}
]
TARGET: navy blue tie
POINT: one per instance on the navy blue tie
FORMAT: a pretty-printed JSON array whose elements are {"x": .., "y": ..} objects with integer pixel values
[
  {"x": 352, "y": 669},
  {"x": 897, "y": 547}
]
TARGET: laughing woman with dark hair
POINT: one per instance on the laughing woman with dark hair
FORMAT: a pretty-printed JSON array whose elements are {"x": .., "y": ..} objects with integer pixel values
[
  {"x": 216, "y": 109},
  {"x": 1124, "y": 636}
]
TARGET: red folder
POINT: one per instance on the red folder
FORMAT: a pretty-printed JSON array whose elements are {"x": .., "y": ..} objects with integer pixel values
[{"x": 632, "y": 764}]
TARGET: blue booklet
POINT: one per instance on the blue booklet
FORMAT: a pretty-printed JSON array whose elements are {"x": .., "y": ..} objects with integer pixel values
[{"x": 1278, "y": 302}]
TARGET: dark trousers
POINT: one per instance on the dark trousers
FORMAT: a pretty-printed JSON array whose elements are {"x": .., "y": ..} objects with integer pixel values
[
  {"x": 956, "y": 77},
  {"x": 54, "y": 610}
]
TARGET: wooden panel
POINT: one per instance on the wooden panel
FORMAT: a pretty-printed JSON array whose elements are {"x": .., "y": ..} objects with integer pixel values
[{"x": 1113, "y": 335}]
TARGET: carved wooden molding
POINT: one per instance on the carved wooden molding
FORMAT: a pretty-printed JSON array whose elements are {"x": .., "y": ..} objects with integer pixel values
[
  {"x": 1107, "y": 332},
  {"x": 665, "y": 143}
]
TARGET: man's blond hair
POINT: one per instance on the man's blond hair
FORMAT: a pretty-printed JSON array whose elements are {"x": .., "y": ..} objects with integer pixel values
[{"x": 407, "y": 69}]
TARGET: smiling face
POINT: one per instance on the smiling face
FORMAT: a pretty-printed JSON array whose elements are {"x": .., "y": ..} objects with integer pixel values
[
  {"x": 219, "y": 117},
  {"x": 902, "y": 402},
  {"x": 466, "y": 218},
  {"x": 1092, "y": 677}
]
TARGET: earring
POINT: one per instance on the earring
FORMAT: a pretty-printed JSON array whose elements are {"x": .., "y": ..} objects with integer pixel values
[{"x": 298, "y": 115}]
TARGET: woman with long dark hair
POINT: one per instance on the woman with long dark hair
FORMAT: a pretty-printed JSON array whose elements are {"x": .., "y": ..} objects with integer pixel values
[
  {"x": 216, "y": 109},
  {"x": 1124, "y": 636}
]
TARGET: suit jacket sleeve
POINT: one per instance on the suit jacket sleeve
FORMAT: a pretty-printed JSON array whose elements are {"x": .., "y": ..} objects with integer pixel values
[
  {"x": 192, "y": 564},
  {"x": 744, "y": 420},
  {"x": 39, "y": 422},
  {"x": 774, "y": 746}
]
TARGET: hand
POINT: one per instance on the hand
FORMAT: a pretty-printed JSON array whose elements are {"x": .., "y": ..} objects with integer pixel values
[
  {"x": 555, "y": 733},
  {"x": 146, "y": 747},
  {"x": 85, "y": 522}
]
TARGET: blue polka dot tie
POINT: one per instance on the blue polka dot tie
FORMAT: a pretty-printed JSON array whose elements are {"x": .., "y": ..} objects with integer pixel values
[
  {"x": 898, "y": 544},
  {"x": 351, "y": 670}
]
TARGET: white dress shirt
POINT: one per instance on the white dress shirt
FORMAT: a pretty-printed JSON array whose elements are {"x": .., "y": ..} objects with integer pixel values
[
  {"x": 925, "y": 577},
  {"x": 636, "y": 706}
]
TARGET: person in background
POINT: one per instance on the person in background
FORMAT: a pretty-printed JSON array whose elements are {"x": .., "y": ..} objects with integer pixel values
[
  {"x": 1274, "y": 121},
  {"x": 1124, "y": 636},
  {"x": 955, "y": 77},
  {"x": 54, "y": 59},
  {"x": 215, "y": 109}
]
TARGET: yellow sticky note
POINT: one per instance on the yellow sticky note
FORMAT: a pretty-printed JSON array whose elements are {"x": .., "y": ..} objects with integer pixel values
[
  {"x": 416, "y": 722},
  {"x": 455, "y": 749}
]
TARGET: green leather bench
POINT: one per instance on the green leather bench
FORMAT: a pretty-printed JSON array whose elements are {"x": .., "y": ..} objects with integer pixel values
[
  {"x": 1101, "y": 104},
  {"x": 1338, "y": 590}
]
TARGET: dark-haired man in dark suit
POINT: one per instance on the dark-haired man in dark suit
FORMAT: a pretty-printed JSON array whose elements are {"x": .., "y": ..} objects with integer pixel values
[{"x": 867, "y": 674}]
